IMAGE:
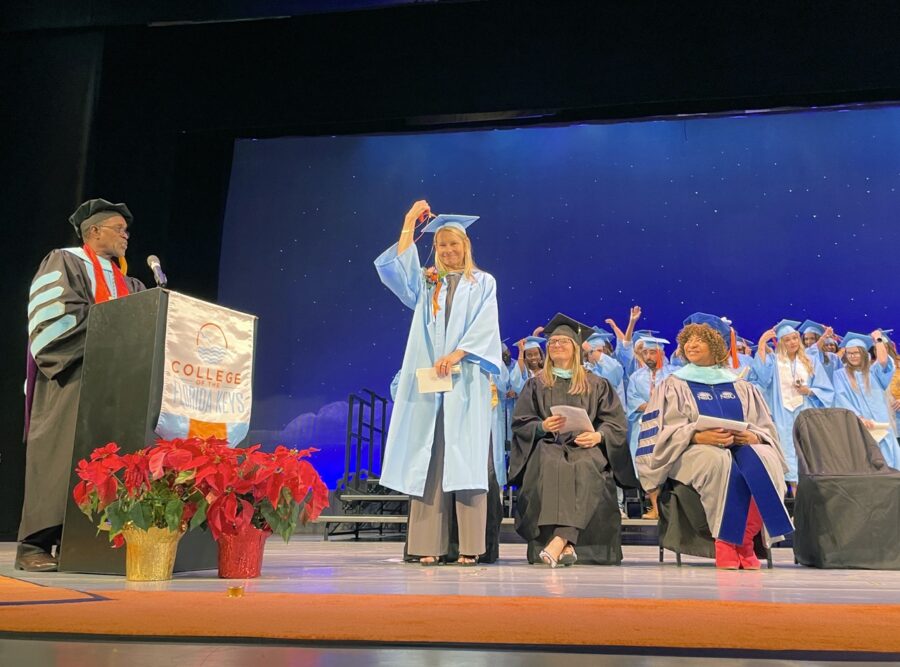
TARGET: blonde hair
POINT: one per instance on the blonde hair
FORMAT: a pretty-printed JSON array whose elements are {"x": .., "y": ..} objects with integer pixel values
[
  {"x": 579, "y": 383},
  {"x": 708, "y": 335},
  {"x": 865, "y": 364},
  {"x": 801, "y": 354},
  {"x": 469, "y": 266}
]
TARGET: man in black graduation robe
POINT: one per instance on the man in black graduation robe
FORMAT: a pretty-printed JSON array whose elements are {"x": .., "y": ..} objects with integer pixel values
[
  {"x": 565, "y": 489},
  {"x": 64, "y": 288}
]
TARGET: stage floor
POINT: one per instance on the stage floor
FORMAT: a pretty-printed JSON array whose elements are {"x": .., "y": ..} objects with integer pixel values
[{"x": 310, "y": 565}]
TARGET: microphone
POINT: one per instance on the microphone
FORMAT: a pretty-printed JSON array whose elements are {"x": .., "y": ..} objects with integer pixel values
[{"x": 158, "y": 275}]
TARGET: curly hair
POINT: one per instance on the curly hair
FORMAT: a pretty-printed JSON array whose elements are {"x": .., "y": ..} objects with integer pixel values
[{"x": 708, "y": 335}]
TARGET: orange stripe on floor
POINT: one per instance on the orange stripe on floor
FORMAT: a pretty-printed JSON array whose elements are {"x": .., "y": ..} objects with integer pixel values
[{"x": 703, "y": 624}]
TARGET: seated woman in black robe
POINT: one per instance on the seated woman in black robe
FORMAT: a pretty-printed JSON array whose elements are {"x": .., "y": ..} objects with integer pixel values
[{"x": 566, "y": 506}]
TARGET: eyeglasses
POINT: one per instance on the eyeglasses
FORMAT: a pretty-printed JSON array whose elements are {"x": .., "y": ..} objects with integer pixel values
[
  {"x": 118, "y": 230},
  {"x": 558, "y": 342}
]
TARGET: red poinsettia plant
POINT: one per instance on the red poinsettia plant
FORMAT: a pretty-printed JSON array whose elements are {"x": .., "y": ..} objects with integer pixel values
[
  {"x": 185, "y": 484},
  {"x": 272, "y": 491},
  {"x": 154, "y": 486}
]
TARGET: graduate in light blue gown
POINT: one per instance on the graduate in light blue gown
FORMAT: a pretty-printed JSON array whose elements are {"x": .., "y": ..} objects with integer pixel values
[
  {"x": 508, "y": 400},
  {"x": 815, "y": 337},
  {"x": 530, "y": 361},
  {"x": 604, "y": 365},
  {"x": 861, "y": 384},
  {"x": 629, "y": 353},
  {"x": 454, "y": 328},
  {"x": 790, "y": 381},
  {"x": 624, "y": 350},
  {"x": 641, "y": 385}
]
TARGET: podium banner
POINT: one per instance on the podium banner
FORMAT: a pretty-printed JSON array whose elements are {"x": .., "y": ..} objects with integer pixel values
[{"x": 207, "y": 371}]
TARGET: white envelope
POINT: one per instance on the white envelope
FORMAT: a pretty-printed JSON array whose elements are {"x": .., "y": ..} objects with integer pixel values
[{"x": 430, "y": 383}]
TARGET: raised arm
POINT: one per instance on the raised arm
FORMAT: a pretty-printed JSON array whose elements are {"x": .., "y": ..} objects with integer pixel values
[
  {"x": 418, "y": 211},
  {"x": 881, "y": 353},
  {"x": 633, "y": 317},
  {"x": 762, "y": 350}
]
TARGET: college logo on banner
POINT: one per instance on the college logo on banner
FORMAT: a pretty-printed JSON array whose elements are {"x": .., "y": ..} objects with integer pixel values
[{"x": 207, "y": 373}]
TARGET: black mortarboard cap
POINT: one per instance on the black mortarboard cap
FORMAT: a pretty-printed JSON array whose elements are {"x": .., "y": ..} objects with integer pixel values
[
  {"x": 92, "y": 207},
  {"x": 563, "y": 325}
]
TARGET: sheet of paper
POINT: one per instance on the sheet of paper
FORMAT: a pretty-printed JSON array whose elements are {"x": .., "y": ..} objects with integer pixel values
[
  {"x": 429, "y": 382},
  {"x": 577, "y": 420},
  {"x": 879, "y": 430},
  {"x": 705, "y": 423}
]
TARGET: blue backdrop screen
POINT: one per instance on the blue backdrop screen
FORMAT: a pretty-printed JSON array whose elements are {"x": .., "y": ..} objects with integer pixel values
[{"x": 755, "y": 217}]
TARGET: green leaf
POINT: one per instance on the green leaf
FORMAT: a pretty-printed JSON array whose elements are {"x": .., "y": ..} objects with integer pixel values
[
  {"x": 200, "y": 516},
  {"x": 174, "y": 511},
  {"x": 270, "y": 515},
  {"x": 117, "y": 519},
  {"x": 141, "y": 516}
]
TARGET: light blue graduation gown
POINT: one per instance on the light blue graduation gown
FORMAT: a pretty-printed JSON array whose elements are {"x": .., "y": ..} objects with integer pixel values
[
  {"x": 834, "y": 362},
  {"x": 612, "y": 371},
  {"x": 394, "y": 384},
  {"x": 624, "y": 354},
  {"x": 472, "y": 327},
  {"x": 637, "y": 394},
  {"x": 767, "y": 381},
  {"x": 518, "y": 378},
  {"x": 498, "y": 425},
  {"x": 509, "y": 404},
  {"x": 871, "y": 404},
  {"x": 745, "y": 361}
]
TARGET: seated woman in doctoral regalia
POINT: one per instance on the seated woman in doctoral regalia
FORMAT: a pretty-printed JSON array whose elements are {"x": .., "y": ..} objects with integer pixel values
[
  {"x": 739, "y": 474},
  {"x": 566, "y": 508}
]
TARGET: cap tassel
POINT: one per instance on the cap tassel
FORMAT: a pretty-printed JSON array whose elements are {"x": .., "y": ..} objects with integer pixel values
[
  {"x": 123, "y": 266},
  {"x": 734, "y": 355},
  {"x": 660, "y": 359}
]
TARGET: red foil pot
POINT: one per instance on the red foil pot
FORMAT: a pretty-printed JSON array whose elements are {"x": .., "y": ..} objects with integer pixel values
[{"x": 240, "y": 556}]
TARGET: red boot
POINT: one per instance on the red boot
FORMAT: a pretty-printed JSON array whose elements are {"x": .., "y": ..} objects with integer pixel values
[
  {"x": 727, "y": 557},
  {"x": 747, "y": 556}
]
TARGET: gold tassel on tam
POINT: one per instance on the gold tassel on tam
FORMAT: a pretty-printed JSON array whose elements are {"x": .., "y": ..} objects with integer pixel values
[{"x": 123, "y": 266}]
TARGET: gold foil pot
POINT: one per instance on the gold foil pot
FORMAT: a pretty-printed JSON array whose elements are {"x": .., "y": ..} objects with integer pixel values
[{"x": 150, "y": 554}]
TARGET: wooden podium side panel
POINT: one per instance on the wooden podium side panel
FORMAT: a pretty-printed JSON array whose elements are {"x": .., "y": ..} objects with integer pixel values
[{"x": 119, "y": 402}]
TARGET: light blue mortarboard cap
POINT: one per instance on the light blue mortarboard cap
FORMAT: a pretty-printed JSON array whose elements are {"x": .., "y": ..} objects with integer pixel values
[
  {"x": 852, "y": 339},
  {"x": 786, "y": 327},
  {"x": 643, "y": 333},
  {"x": 599, "y": 340},
  {"x": 532, "y": 342},
  {"x": 460, "y": 222},
  {"x": 815, "y": 327},
  {"x": 651, "y": 343}
]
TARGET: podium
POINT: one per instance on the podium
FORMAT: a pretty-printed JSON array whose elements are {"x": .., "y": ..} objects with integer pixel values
[{"x": 121, "y": 396}]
